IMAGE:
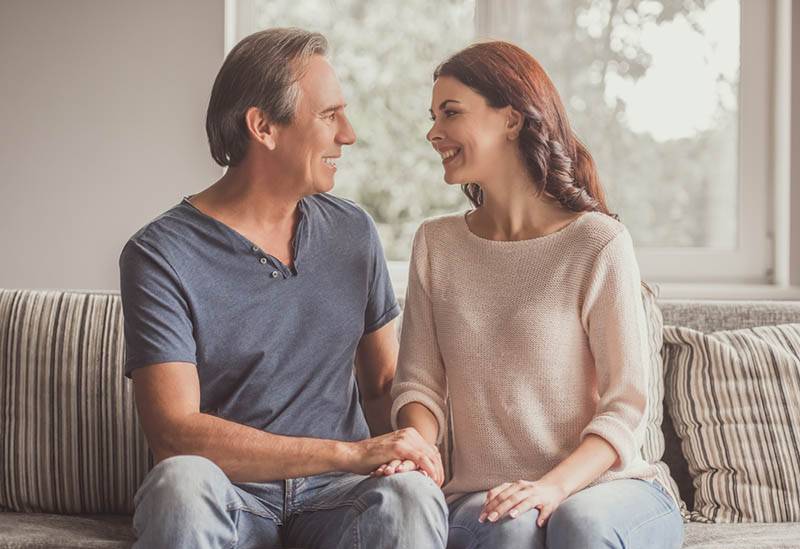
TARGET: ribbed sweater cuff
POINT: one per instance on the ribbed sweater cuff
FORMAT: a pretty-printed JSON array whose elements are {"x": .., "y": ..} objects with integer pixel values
[
  {"x": 616, "y": 433},
  {"x": 412, "y": 395}
]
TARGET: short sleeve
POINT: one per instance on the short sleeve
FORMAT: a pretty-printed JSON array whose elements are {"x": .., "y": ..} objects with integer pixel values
[
  {"x": 158, "y": 323},
  {"x": 382, "y": 304}
]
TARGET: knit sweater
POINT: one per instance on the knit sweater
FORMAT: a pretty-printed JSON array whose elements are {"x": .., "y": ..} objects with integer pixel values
[{"x": 537, "y": 343}]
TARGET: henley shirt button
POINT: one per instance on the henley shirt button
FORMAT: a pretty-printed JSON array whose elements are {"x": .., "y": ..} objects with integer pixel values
[
  {"x": 255, "y": 248},
  {"x": 263, "y": 260},
  {"x": 274, "y": 274}
]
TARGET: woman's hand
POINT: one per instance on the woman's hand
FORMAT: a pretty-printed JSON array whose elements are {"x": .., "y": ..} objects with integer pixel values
[
  {"x": 515, "y": 498},
  {"x": 402, "y": 466}
]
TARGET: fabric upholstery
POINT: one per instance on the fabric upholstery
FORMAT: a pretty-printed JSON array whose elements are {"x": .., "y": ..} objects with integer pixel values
[
  {"x": 70, "y": 440},
  {"x": 710, "y": 316},
  {"x": 734, "y": 397},
  {"x": 40, "y": 531}
]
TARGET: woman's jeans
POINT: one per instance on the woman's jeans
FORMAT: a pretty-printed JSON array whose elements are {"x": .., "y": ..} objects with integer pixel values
[
  {"x": 626, "y": 513},
  {"x": 187, "y": 501}
]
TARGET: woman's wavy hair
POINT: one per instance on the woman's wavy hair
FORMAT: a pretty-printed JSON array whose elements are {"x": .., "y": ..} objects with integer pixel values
[{"x": 559, "y": 164}]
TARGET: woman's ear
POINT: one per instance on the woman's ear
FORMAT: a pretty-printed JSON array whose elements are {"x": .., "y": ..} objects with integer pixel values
[
  {"x": 514, "y": 122},
  {"x": 260, "y": 128}
]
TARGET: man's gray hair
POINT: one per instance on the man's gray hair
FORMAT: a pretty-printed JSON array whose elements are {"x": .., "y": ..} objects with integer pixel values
[{"x": 260, "y": 71}]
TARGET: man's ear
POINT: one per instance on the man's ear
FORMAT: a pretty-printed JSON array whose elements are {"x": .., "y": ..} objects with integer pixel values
[
  {"x": 514, "y": 122},
  {"x": 260, "y": 128}
]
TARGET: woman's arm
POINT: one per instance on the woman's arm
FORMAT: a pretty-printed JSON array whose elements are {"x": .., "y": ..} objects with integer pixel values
[{"x": 420, "y": 418}]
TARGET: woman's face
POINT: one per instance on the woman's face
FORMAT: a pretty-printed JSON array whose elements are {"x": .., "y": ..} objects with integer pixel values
[{"x": 471, "y": 137}]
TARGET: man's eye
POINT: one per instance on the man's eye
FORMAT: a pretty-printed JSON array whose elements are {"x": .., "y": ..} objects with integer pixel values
[{"x": 332, "y": 116}]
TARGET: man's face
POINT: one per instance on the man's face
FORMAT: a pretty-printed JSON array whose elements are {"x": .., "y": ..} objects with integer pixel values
[{"x": 310, "y": 146}]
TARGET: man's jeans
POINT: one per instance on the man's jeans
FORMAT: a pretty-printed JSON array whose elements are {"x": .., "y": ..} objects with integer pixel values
[
  {"x": 187, "y": 501},
  {"x": 622, "y": 514}
]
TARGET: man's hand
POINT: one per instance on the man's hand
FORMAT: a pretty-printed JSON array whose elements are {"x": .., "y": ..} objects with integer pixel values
[{"x": 403, "y": 445}]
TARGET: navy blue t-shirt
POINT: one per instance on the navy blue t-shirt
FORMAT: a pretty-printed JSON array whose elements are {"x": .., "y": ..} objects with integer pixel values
[{"x": 274, "y": 346}]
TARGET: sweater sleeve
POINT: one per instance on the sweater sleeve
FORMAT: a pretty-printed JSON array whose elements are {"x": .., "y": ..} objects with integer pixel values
[
  {"x": 613, "y": 317},
  {"x": 420, "y": 373}
]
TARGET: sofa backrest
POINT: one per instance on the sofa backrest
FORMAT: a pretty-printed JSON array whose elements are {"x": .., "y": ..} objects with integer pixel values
[
  {"x": 70, "y": 440},
  {"x": 713, "y": 316}
]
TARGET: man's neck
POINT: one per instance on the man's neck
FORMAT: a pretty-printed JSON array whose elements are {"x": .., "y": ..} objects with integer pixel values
[{"x": 246, "y": 198}]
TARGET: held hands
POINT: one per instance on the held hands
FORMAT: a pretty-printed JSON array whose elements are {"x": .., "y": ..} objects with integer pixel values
[
  {"x": 515, "y": 498},
  {"x": 404, "y": 447}
]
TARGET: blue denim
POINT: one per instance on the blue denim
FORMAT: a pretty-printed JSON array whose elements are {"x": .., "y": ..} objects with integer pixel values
[
  {"x": 188, "y": 501},
  {"x": 624, "y": 514}
]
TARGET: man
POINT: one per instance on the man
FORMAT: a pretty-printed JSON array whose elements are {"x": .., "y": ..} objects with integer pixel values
[{"x": 246, "y": 306}]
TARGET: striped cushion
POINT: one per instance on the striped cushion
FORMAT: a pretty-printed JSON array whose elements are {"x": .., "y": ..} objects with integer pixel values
[
  {"x": 734, "y": 397},
  {"x": 70, "y": 440},
  {"x": 653, "y": 448}
]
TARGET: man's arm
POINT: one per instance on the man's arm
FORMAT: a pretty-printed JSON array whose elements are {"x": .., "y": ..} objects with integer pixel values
[
  {"x": 168, "y": 402},
  {"x": 376, "y": 361}
]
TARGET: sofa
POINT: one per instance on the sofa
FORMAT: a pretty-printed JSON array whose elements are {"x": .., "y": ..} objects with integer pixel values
[{"x": 72, "y": 452}]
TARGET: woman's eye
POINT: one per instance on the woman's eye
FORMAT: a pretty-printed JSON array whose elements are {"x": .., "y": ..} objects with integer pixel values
[{"x": 449, "y": 114}]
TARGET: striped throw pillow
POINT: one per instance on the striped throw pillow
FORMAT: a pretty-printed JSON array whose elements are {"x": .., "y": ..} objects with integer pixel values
[
  {"x": 70, "y": 440},
  {"x": 734, "y": 397}
]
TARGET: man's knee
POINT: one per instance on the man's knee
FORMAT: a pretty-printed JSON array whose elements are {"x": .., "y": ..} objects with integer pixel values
[
  {"x": 413, "y": 495},
  {"x": 184, "y": 481}
]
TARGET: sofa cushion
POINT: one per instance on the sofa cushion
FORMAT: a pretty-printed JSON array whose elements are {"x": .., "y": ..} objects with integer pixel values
[
  {"x": 37, "y": 530},
  {"x": 734, "y": 397},
  {"x": 70, "y": 440},
  {"x": 742, "y": 536}
]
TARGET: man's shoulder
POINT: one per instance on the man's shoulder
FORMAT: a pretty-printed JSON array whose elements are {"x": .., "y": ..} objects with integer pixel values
[
  {"x": 342, "y": 214},
  {"x": 165, "y": 232}
]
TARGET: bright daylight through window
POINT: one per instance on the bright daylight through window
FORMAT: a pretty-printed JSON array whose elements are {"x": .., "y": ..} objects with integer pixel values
[{"x": 651, "y": 86}]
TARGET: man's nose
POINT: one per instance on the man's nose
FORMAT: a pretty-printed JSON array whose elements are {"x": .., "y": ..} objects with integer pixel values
[{"x": 346, "y": 134}]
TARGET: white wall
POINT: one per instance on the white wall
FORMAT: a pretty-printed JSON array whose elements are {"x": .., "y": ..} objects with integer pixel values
[{"x": 102, "y": 112}]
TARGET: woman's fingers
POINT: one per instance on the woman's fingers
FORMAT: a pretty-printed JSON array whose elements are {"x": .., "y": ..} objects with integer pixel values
[
  {"x": 391, "y": 467},
  {"x": 505, "y": 502},
  {"x": 521, "y": 508},
  {"x": 544, "y": 513},
  {"x": 490, "y": 509},
  {"x": 406, "y": 466}
]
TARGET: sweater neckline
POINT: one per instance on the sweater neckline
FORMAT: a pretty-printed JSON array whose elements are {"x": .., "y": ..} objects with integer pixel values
[{"x": 563, "y": 231}]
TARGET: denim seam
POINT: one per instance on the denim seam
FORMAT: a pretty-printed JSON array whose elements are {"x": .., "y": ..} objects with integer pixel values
[
  {"x": 469, "y": 531},
  {"x": 235, "y": 541},
  {"x": 648, "y": 521},
  {"x": 347, "y": 503},
  {"x": 267, "y": 514},
  {"x": 356, "y": 538}
]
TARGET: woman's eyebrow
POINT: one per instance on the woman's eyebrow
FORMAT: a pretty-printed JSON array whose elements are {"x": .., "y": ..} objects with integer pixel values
[{"x": 443, "y": 103}]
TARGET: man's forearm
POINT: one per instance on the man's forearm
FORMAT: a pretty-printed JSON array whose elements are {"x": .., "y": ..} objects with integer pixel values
[{"x": 247, "y": 454}]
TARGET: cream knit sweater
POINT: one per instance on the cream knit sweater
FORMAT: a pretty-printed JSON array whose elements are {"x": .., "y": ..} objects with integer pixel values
[{"x": 537, "y": 343}]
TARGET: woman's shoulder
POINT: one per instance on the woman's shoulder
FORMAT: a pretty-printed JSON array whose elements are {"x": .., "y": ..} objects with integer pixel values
[
  {"x": 441, "y": 225},
  {"x": 597, "y": 230}
]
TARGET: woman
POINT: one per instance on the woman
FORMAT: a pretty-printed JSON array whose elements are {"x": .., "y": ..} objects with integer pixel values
[{"x": 527, "y": 312}]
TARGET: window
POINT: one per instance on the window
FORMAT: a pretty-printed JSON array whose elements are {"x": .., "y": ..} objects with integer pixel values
[
  {"x": 676, "y": 120},
  {"x": 672, "y": 97}
]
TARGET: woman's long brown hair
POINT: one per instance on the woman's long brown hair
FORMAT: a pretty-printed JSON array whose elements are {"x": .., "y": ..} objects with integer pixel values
[{"x": 559, "y": 164}]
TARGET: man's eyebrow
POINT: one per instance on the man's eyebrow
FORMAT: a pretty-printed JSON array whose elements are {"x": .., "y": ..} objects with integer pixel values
[
  {"x": 333, "y": 108},
  {"x": 445, "y": 102}
]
